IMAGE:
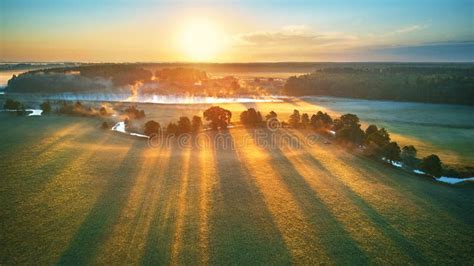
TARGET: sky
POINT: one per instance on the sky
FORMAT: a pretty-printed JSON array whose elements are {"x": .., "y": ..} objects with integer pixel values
[{"x": 236, "y": 31}]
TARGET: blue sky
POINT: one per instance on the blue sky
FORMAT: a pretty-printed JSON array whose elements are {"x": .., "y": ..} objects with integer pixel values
[{"x": 147, "y": 30}]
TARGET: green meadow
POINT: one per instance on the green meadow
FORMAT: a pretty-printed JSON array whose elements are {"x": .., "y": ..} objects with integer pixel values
[{"x": 72, "y": 193}]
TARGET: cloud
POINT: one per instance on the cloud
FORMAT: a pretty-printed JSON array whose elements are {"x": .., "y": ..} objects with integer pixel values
[
  {"x": 293, "y": 36},
  {"x": 408, "y": 29},
  {"x": 300, "y": 43}
]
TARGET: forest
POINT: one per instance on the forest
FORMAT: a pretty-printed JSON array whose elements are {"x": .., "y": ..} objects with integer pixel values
[{"x": 418, "y": 83}]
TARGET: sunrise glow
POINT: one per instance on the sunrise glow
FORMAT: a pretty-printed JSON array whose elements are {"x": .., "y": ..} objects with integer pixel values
[{"x": 201, "y": 40}]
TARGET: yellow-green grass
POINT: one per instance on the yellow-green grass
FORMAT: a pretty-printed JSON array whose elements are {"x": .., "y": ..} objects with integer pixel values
[{"x": 74, "y": 193}]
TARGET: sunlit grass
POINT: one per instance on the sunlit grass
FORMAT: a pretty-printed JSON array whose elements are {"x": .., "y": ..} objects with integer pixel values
[{"x": 72, "y": 192}]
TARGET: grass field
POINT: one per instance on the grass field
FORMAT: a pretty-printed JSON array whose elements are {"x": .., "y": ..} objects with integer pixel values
[{"x": 73, "y": 193}]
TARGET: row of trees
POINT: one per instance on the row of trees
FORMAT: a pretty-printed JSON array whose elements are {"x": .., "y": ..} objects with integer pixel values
[
  {"x": 218, "y": 118},
  {"x": 182, "y": 126},
  {"x": 375, "y": 142}
]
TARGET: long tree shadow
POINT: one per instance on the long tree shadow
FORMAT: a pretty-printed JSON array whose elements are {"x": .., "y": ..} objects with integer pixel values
[
  {"x": 242, "y": 230},
  {"x": 379, "y": 221},
  {"x": 159, "y": 241},
  {"x": 187, "y": 244},
  {"x": 339, "y": 244},
  {"x": 449, "y": 199},
  {"x": 105, "y": 212}
]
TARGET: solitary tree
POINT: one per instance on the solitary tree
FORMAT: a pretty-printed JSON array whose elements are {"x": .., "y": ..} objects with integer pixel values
[
  {"x": 218, "y": 117},
  {"x": 152, "y": 127}
]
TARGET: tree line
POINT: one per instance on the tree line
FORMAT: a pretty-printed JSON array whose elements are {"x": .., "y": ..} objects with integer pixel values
[{"x": 428, "y": 84}]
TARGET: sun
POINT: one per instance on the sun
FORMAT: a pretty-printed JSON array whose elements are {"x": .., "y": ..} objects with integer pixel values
[{"x": 201, "y": 40}]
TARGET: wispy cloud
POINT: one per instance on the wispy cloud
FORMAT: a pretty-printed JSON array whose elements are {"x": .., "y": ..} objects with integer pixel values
[
  {"x": 293, "y": 36},
  {"x": 408, "y": 29}
]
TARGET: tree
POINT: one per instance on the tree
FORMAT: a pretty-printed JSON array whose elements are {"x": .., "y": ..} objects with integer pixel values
[
  {"x": 347, "y": 128},
  {"x": 314, "y": 121},
  {"x": 391, "y": 151},
  {"x": 46, "y": 107},
  {"x": 78, "y": 106},
  {"x": 408, "y": 156},
  {"x": 152, "y": 127},
  {"x": 305, "y": 119},
  {"x": 432, "y": 165},
  {"x": 103, "y": 111},
  {"x": 133, "y": 113},
  {"x": 347, "y": 120},
  {"x": 126, "y": 122},
  {"x": 370, "y": 130},
  {"x": 11, "y": 105},
  {"x": 351, "y": 134},
  {"x": 105, "y": 125},
  {"x": 380, "y": 137},
  {"x": 184, "y": 125},
  {"x": 295, "y": 119},
  {"x": 251, "y": 117},
  {"x": 196, "y": 123},
  {"x": 218, "y": 117},
  {"x": 271, "y": 115},
  {"x": 321, "y": 120},
  {"x": 172, "y": 129}
]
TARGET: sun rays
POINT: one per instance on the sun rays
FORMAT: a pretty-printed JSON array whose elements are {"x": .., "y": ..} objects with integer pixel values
[{"x": 204, "y": 204}]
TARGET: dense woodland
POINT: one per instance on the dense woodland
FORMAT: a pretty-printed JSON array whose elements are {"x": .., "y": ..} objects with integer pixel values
[{"x": 429, "y": 84}]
